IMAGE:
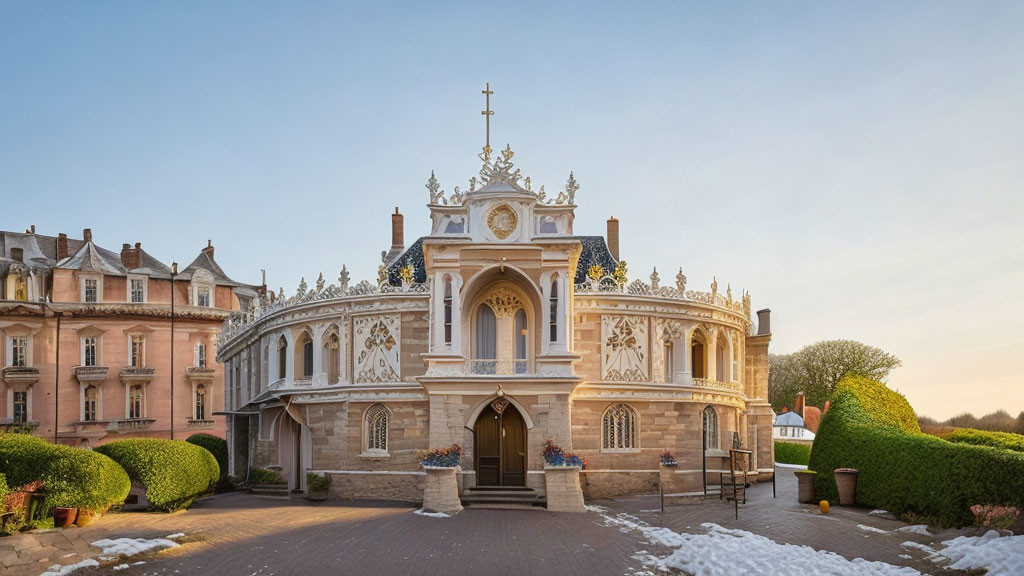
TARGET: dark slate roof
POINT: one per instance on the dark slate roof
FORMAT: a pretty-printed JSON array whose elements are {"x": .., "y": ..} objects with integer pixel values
[
  {"x": 206, "y": 262},
  {"x": 595, "y": 251}
]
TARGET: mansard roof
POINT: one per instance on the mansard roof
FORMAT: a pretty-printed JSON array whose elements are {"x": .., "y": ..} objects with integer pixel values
[
  {"x": 595, "y": 251},
  {"x": 206, "y": 262},
  {"x": 92, "y": 258}
]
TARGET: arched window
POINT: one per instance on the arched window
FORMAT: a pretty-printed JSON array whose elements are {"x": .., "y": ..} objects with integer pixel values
[
  {"x": 282, "y": 357},
  {"x": 697, "y": 355},
  {"x": 307, "y": 357},
  {"x": 377, "y": 428},
  {"x": 554, "y": 311},
  {"x": 710, "y": 427},
  {"x": 89, "y": 407},
  {"x": 618, "y": 428},
  {"x": 135, "y": 401},
  {"x": 331, "y": 346},
  {"x": 448, "y": 312},
  {"x": 486, "y": 333},
  {"x": 200, "y": 402}
]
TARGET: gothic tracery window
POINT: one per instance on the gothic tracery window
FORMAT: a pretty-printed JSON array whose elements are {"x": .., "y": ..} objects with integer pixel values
[
  {"x": 618, "y": 428},
  {"x": 710, "y": 427},
  {"x": 377, "y": 428}
]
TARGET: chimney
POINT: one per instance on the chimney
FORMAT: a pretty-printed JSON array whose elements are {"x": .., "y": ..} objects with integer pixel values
[
  {"x": 209, "y": 249},
  {"x": 798, "y": 404},
  {"x": 764, "y": 322},
  {"x": 397, "y": 231},
  {"x": 18, "y": 254},
  {"x": 87, "y": 235},
  {"x": 62, "y": 246},
  {"x": 613, "y": 237},
  {"x": 32, "y": 230},
  {"x": 131, "y": 258}
]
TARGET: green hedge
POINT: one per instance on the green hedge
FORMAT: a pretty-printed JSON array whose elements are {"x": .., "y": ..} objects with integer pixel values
[
  {"x": 219, "y": 448},
  {"x": 873, "y": 429},
  {"x": 792, "y": 453},
  {"x": 73, "y": 477},
  {"x": 1004, "y": 440},
  {"x": 174, "y": 472},
  {"x": 259, "y": 476}
]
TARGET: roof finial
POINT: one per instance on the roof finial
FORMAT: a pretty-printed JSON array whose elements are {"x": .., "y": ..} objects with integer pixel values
[{"x": 487, "y": 113}]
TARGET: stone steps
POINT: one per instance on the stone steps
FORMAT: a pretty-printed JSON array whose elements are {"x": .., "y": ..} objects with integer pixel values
[{"x": 503, "y": 497}]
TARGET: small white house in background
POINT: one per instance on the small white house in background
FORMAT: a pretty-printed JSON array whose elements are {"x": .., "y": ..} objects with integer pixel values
[{"x": 789, "y": 427}]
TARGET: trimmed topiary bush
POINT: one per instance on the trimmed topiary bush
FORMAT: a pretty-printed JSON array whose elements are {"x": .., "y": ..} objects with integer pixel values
[
  {"x": 792, "y": 453},
  {"x": 873, "y": 429},
  {"x": 1004, "y": 440},
  {"x": 73, "y": 477},
  {"x": 174, "y": 472},
  {"x": 219, "y": 448}
]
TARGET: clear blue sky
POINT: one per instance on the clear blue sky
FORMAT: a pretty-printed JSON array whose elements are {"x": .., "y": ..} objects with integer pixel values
[{"x": 857, "y": 167}]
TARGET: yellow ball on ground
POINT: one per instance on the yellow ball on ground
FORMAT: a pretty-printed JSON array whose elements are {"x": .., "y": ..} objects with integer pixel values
[{"x": 823, "y": 506}]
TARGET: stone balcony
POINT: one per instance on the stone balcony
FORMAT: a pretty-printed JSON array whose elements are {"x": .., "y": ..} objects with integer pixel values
[
  {"x": 9, "y": 425},
  {"x": 137, "y": 374},
  {"x": 199, "y": 374},
  {"x": 90, "y": 373},
  {"x": 130, "y": 425},
  {"x": 24, "y": 375},
  {"x": 733, "y": 387},
  {"x": 204, "y": 424}
]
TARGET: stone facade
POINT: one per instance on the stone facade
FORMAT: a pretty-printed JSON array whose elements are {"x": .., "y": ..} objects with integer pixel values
[{"x": 500, "y": 329}]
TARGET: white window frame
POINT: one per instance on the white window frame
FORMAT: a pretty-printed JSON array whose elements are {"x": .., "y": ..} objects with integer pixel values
[
  {"x": 128, "y": 400},
  {"x": 204, "y": 356},
  {"x": 98, "y": 278},
  {"x": 28, "y": 349},
  {"x": 131, "y": 346},
  {"x": 207, "y": 390},
  {"x": 99, "y": 403},
  {"x": 99, "y": 348},
  {"x": 28, "y": 404},
  {"x": 128, "y": 288}
]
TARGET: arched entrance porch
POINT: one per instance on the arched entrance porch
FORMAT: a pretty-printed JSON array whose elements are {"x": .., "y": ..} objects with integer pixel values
[{"x": 500, "y": 445}]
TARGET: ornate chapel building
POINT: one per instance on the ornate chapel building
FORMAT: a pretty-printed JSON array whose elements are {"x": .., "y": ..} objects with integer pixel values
[{"x": 500, "y": 329}]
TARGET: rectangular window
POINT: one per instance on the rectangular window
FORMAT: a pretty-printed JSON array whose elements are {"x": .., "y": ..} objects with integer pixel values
[
  {"x": 20, "y": 407},
  {"x": 89, "y": 409},
  {"x": 89, "y": 351},
  {"x": 201, "y": 356},
  {"x": 91, "y": 290},
  {"x": 138, "y": 351},
  {"x": 204, "y": 297},
  {"x": 135, "y": 402},
  {"x": 138, "y": 290},
  {"x": 19, "y": 351}
]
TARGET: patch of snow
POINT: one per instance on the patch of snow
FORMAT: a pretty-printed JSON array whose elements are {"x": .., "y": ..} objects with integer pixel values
[
  {"x": 175, "y": 536},
  {"x": 132, "y": 546},
  {"x": 790, "y": 466},
  {"x": 120, "y": 567},
  {"x": 421, "y": 512},
  {"x": 916, "y": 529},
  {"x": 1000, "y": 555},
  {"x": 725, "y": 552},
  {"x": 872, "y": 529},
  {"x": 916, "y": 546},
  {"x": 58, "y": 570},
  {"x": 878, "y": 513}
]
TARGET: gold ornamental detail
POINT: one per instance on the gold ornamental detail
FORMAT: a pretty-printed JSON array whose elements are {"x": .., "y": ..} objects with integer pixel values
[{"x": 502, "y": 221}]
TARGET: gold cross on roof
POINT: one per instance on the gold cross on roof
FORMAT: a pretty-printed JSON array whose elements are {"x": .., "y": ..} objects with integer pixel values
[{"x": 487, "y": 115}]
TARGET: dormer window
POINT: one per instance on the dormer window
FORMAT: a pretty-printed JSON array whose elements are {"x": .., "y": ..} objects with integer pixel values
[
  {"x": 203, "y": 297},
  {"x": 91, "y": 290},
  {"x": 137, "y": 290}
]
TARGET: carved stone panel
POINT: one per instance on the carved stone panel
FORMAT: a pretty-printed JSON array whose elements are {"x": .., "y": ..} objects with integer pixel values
[
  {"x": 376, "y": 349},
  {"x": 624, "y": 348}
]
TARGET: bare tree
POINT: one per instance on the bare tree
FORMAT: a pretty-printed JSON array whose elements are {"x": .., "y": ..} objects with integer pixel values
[{"x": 816, "y": 369}]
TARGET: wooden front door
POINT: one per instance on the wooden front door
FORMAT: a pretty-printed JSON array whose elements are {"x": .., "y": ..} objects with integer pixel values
[{"x": 500, "y": 446}]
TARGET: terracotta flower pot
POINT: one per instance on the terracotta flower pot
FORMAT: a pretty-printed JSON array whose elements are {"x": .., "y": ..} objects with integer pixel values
[
  {"x": 64, "y": 517},
  {"x": 846, "y": 483}
]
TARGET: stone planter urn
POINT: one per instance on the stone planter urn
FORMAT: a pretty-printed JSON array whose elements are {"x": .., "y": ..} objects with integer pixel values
[
  {"x": 667, "y": 478},
  {"x": 564, "y": 492},
  {"x": 846, "y": 483},
  {"x": 805, "y": 486},
  {"x": 441, "y": 493}
]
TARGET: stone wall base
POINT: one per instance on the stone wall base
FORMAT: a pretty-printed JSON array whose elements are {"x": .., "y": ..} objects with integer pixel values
[
  {"x": 615, "y": 483},
  {"x": 564, "y": 493},
  {"x": 403, "y": 487}
]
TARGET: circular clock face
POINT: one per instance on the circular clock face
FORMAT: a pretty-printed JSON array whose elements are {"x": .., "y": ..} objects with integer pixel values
[{"x": 502, "y": 221}]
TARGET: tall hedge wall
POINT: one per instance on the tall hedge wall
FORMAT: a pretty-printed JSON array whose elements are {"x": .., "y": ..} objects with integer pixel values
[
  {"x": 219, "y": 448},
  {"x": 1004, "y": 440},
  {"x": 73, "y": 477},
  {"x": 873, "y": 429},
  {"x": 174, "y": 472},
  {"x": 792, "y": 453}
]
